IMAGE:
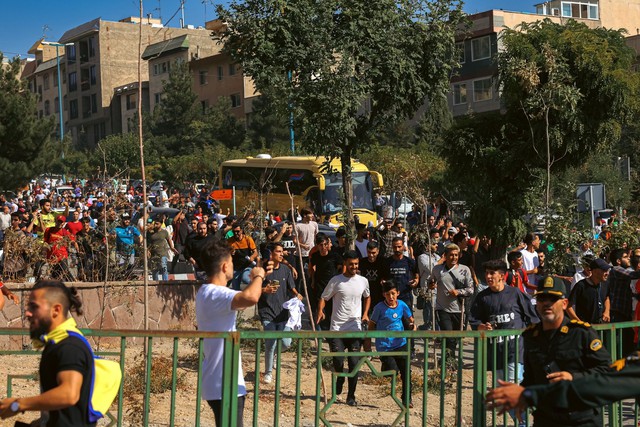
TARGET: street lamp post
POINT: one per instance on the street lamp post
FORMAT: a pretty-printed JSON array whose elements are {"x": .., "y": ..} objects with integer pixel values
[{"x": 58, "y": 45}]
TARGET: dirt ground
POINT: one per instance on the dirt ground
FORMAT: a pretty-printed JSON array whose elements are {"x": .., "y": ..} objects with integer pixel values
[{"x": 375, "y": 406}]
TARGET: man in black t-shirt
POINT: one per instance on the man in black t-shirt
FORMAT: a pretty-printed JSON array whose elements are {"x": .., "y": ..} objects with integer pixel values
[
  {"x": 323, "y": 265},
  {"x": 371, "y": 269},
  {"x": 403, "y": 271},
  {"x": 65, "y": 367},
  {"x": 588, "y": 300},
  {"x": 279, "y": 289}
]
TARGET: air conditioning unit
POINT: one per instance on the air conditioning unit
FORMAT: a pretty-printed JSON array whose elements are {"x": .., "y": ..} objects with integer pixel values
[{"x": 555, "y": 11}]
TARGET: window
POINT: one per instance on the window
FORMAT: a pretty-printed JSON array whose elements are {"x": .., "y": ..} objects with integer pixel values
[
  {"x": 131, "y": 101},
  {"x": 99, "y": 132},
  {"x": 56, "y": 107},
  {"x": 84, "y": 51},
  {"x": 580, "y": 9},
  {"x": 161, "y": 68},
  {"x": 86, "y": 107},
  {"x": 461, "y": 53},
  {"x": 204, "y": 105},
  {"x": 45, "y": 81},
  {"x": 47, "y": 107},
  {"x": 73, "y": 84},
  {"x": 70, "y": 53},
  {"x": 203, "y": 77},
  {"x": 220, "y": 72},
  {"x": 92, "y": 47},
  {"x": 232, "y": 69},
  {"x": 84, "y": 79},
  {"x": 55, "y": 80},
  {"x": 480, "y": 48},
  {"x": 482, "y": 90},
  {"x": 235, "y": 100},
  {"x": 94, "y": 103},
  {"x": 39, "y": 92},
  {"x": 157, "y": 97},
  {"x": 73, "y": 109},
  {"x": 92, "y": 75},
  {"x": 459, "y": 93}
]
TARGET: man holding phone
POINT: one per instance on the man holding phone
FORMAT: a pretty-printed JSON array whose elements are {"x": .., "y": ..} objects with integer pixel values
[
  {"x": 560, "y": 349},
  {"x": 280, "y": 286}
]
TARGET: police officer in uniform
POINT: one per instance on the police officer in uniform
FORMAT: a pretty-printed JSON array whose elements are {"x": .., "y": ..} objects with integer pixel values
[
  {"x": 622, "y": 381},
  {"x": 559, "y": 349}
]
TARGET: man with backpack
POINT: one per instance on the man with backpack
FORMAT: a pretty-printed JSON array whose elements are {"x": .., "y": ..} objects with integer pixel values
[{"x": 67, "y": 364}]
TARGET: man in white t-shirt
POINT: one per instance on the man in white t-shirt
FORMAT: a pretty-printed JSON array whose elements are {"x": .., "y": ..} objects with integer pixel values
[
  {"x": 530, "y": 257},
  {"x": 347, "y": 291},
  {"x": 216, "y": 310},
  {"x": 306, "y": 231}
]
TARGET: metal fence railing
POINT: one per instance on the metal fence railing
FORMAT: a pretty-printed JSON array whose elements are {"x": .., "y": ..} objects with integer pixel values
[{"x": 162, "y": 382}]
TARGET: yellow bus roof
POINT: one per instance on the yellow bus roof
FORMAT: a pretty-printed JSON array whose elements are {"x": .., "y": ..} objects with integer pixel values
[{"x": 294, "y": 162}]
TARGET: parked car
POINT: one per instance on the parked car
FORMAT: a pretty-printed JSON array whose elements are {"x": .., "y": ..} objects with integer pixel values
[{"x": 157, "y": 186}]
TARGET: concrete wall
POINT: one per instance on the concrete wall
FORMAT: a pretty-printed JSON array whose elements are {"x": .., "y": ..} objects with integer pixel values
[{"x": 116, "y": 306}]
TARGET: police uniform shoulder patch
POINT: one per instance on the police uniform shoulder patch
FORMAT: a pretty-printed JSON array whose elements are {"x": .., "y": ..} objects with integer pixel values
[
  {"x": 580, "y": 323},
  {"x": 595, "y": 345},
  {"x": 618, "y": 364},
  {"x": 564, "y": 329}
]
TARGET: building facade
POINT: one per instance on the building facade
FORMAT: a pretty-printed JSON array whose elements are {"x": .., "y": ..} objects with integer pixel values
[{"x": 474, "y": 87}]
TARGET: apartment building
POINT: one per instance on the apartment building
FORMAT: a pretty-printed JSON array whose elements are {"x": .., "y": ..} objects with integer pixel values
[
  {"x": 42, "y": 79},
  {"x": 474, "y": 88},
  {"x": 99, "y": 57}
]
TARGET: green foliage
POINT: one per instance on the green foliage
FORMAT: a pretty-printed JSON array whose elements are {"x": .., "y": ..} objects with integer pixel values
[
  {"x": 267, "y": 128},
  {"x": 346, "y": 69},
  {"x": 178, "y": 107},
  {"x": 555, "y": 80},
  {"x": 24, "y": 138},
  {"x": 117, "y": 153},
  {"x": 405, "y": 170}
]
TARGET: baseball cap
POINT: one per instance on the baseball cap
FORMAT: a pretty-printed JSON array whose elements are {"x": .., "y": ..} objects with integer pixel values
[
  {"x": 61, "y": 218},
  {"x": 453, "y": 230},
  {"x": 125, "y": 216},
  {"x": 599, "y": 263},
  {"x": 551, "y": 285}
]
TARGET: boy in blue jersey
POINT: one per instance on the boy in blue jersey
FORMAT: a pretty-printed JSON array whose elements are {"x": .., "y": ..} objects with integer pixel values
[{"x": 388, "y": 315}]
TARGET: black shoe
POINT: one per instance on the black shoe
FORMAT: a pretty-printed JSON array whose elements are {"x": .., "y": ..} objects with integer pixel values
[
  {"x": 339, "y": 385},
  {"x": 352, "y": 401}
]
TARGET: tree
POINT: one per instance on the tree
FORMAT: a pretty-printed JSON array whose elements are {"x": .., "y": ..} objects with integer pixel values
[
  {"x": 24, "y": 138},
  {"x": 555, "y": 80},
  {"x": 346, "y": 69},
  {"x": 558, "y": 77},
  {"x": 178, "y": 109}
]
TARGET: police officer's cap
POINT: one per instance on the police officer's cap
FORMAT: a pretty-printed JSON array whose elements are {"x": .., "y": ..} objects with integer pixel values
[{"x": 552, "y": 286}]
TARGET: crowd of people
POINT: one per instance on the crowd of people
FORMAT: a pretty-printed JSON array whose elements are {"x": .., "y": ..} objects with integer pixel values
[{"x": 435, "y": 265}]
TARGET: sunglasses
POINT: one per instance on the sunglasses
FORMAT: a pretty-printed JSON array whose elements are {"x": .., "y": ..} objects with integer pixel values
[{"x": 548, "y": 298}]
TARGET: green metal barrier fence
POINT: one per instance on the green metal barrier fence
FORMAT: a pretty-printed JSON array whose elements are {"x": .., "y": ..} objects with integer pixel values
[{"x": 443, "y": 376}]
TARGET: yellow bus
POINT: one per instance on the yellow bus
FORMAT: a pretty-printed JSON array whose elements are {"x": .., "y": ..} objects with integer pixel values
[{"x": 311, "y": 182}]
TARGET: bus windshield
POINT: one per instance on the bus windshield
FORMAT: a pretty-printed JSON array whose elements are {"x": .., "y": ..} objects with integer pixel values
[{"x": 332, "y": 197}]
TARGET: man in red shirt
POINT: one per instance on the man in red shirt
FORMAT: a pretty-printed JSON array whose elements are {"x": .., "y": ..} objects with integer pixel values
[
  {"x": 74, "y": 225},
  {"x": 58, "y": 239}
]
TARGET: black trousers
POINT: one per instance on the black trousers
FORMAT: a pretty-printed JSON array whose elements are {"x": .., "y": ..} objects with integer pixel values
[
  {"x": 398, "y": 363},
  {"x": 340, "y": 345},
  {"x": 449, "y": 322},
  {"x": 216, "y": 405}
]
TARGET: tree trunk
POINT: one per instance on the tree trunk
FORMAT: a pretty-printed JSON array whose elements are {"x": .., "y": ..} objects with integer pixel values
[
  {"x": 347, "y": 185},
  {"x": 548, "y": 191}
]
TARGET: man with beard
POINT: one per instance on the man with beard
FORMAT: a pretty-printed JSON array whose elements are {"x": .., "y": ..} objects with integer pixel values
[
  {"x": 66, "y": 364},
  {"x": 347, "y": 291},
  {"x": 559, "y": 349},
  {"x": 194, "y": 247}
]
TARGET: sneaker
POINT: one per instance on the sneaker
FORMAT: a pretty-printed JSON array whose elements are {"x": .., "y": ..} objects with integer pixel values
[
  {"x": 352, "y": 401},
  {"x": 267, "y": 379}
]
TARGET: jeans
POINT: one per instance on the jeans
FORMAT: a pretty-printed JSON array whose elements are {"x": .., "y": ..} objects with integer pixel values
[
  {"x": 427, "y": 315},
  {"x": 399, "y": 363},
  {"x": 160, "y": 269},
  {"x": 270, "y": 344},
  {"x": 216, "y": 405},
  {"x": 340, "y": 345},
  {"x": 449, "y": 322},
  {"x": 239, "y": 277},
  {"x": 511, "y": 377}
]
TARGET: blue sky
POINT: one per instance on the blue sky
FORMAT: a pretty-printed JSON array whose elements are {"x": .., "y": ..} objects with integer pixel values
[{"x": 22, "y": 22}]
